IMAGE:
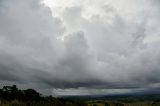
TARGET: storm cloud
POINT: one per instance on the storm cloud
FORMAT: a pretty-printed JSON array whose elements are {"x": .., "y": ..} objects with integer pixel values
[{"x": 87, "y": 47}]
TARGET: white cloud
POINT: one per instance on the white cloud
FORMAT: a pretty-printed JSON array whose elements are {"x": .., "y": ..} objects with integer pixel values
[{"x": 106, "y": 44}]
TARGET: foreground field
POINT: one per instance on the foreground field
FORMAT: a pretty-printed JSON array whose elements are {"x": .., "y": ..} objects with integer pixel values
[
  {"x": 77, "y": 103},
  {"x": 144, "y": 103}
]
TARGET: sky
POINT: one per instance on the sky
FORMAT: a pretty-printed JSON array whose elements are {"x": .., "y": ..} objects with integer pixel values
[{"x": 80, "y": 47}]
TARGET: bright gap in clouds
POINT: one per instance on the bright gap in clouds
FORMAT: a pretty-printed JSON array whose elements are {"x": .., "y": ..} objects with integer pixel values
[{"x": 59, "y": 3}]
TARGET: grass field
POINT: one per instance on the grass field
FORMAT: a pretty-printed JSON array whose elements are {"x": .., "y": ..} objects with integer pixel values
[{"x": 144, "y": 103}]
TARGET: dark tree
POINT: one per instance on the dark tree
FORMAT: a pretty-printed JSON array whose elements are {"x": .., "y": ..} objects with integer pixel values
[{"x": 31, "y": 95}]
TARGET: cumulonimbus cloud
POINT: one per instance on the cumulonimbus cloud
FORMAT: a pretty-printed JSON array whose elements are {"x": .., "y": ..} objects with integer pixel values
[{"x": 95, "y": 45}]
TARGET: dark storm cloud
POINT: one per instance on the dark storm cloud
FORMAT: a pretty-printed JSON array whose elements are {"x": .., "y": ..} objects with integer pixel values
[
  {"x": 26, "y": 33},
  {"x": 95, "y": 45}
]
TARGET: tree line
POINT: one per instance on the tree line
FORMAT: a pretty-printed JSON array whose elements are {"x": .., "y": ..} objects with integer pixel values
[
  {"x": 30, "y": 97},
  {"x": 12, "y": 92}
]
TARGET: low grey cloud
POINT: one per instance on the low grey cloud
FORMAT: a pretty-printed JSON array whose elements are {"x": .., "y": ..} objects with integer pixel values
[{"x": 98, "y": 46}]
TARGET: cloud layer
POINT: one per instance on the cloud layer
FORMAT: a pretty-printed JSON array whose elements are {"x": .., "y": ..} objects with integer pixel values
[{"x": 83, "y": 45}]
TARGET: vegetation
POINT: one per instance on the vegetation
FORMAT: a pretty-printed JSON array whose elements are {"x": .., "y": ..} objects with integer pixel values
[{"x": 12, "y": 96}]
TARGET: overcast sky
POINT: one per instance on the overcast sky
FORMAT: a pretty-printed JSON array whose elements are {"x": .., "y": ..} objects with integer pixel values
[{"x": 79, "y": 47}]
